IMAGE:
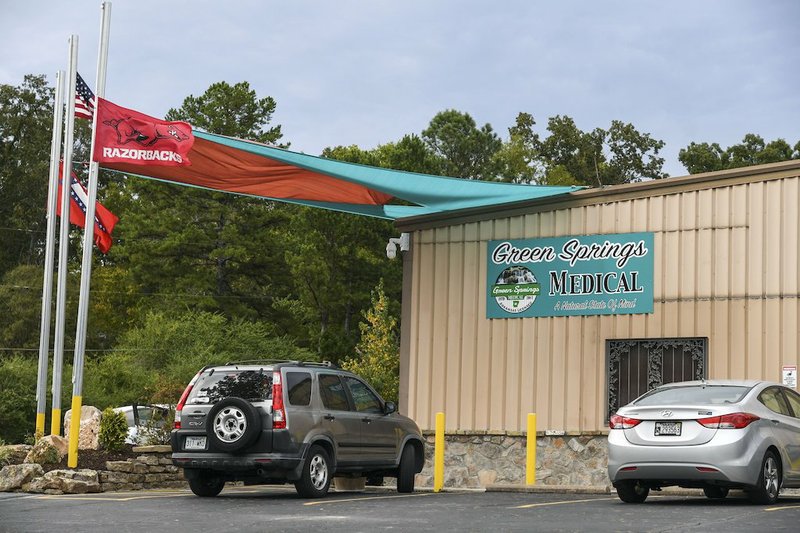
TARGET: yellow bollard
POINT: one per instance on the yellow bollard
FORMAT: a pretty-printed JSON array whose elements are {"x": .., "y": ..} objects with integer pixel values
[
  {"x": 438, "y": 454},
  {"x": 55, "y": 423},
  {"x": 74, "y": 432},
  {"x": 530, "y": 462}
]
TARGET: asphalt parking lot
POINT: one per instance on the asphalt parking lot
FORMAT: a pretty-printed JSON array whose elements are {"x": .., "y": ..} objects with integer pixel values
[{"x": 376, "y": 509}]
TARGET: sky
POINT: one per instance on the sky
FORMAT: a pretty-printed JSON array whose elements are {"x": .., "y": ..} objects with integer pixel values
[{"x": 369, "y": 72}]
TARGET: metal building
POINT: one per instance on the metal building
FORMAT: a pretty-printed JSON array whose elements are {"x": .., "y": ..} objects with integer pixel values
[{"x": 721, "y": 269}]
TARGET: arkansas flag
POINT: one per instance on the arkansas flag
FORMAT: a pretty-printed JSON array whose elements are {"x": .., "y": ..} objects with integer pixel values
[
  {"x": 127, "y": 136},
  {"x": 104, "y": 220}
]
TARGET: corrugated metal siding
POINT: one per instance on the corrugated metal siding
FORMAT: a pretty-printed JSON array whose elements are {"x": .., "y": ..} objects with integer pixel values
[{"x": 726, "y": 268}]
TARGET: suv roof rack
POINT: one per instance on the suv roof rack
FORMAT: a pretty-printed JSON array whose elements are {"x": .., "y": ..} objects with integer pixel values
[{"x": 281, "y": 362}]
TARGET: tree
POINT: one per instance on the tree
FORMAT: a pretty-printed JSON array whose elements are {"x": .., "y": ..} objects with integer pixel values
[
  {"x": 465, "y": 150},
  {"x": 570, "y": 156},
  {"x": 753, "y": 150},
  {"x": 378, "y": 359},
  {"x": 205, "y": 250},
  {"x": 155, "y": 361},
  {"x": 26, "y": 124}
]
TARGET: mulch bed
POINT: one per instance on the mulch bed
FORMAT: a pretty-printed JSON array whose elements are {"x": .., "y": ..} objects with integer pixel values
[{"x": 94, "y": 459}]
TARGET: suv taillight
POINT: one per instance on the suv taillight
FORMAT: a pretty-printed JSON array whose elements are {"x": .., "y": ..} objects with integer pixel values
[
  {"x": 278, "y": 412},
  {"x": 182, "y": 401},
  {"x": 731, "y": 421},
  {"x": 622, "y": 422}
]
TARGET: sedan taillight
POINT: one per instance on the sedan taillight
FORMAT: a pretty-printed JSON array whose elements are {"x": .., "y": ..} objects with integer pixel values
[
  {"x": 731, "y": 421},
  {"x": 622, "y": 422}
]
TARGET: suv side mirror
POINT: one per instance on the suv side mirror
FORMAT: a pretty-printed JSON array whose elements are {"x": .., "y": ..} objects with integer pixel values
[{"x": 389, "y": 408}]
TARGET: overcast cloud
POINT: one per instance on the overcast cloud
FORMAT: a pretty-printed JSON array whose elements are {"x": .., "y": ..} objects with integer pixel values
[{"x": 369, "y": 72}]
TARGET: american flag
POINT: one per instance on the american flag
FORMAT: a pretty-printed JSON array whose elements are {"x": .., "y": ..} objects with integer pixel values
[{"x": 84, "y": 100}]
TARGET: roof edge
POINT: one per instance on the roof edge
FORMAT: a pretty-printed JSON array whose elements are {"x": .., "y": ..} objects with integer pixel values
[{"x": 625, "y": 191}]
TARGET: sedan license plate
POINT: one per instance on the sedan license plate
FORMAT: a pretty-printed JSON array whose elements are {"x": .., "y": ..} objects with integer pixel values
[
  {"x": 195, "y": 443},
  {"x": 668, "y": 428}
]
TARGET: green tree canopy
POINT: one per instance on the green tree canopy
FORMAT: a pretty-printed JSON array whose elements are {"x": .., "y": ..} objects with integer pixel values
[
  {"x": 465, "y": 150},
  {"x": 753, "y": 150},
  {"x": 571, "y": 156},
  {"x": 26, "y": 126}
]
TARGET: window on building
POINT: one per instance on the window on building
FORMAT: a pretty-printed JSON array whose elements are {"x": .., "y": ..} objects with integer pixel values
[{"x": 636, "y": 366}]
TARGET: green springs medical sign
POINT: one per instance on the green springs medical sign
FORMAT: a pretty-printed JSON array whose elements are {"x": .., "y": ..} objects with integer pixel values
[{"x": 565, "y": 276}]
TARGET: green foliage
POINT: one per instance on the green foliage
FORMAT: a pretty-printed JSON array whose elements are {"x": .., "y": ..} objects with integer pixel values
[
  {"x": 18, "y": 397},
  {"x": 570, "y": 156},
  {"x": 466, "y": 151},
  {"x": 232, "y": 110},
  {"x": 113, "y": 430},
  {"x": 378, "y": 359},
  {"x": 26, "y": 124},
  {"x": 154, "y": 362},
  {"x": 753, "y": 150}
]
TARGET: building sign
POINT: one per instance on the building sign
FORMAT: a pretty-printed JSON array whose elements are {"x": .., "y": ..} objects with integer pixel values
[
  {"x": 565, "y": 276},
  {"x": 790, "y": 376}
]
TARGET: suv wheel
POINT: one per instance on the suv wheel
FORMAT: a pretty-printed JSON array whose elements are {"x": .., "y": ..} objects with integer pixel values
[
  {"x": 206, "y": 486},
  {"x": 233, "y": 424},
  {"x": 316, "y": 477},
  {"x": 405, "y": 473}
]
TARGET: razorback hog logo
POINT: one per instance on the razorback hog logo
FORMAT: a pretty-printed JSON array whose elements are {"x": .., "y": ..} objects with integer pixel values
[{"x": 127, "y": 133}]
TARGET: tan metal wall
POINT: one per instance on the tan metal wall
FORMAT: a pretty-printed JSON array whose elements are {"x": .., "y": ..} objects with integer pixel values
[{"x": 726, "y": 268}]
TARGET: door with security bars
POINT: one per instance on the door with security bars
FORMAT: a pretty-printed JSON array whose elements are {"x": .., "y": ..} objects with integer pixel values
[{"x": 636, "y": 366}]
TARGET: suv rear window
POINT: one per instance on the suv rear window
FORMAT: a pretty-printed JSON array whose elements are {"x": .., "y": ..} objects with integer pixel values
[
  {"x": 250, "y": 385},
  {"x": 299, "y": 386},
  {"x": 714, "y": 394}
]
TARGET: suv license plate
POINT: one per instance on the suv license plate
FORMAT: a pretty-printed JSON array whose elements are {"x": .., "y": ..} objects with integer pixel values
[
  {"x": 668, "y": 428},
  {"x": 195, "y": 443}
]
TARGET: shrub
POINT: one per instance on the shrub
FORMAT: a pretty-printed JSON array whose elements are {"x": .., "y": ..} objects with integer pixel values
[{"x": 113, "y": 430}]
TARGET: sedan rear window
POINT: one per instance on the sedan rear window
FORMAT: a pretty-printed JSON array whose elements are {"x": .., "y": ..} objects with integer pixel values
[
  {"x": 697, "y": 394},
  {"x": 249, "y": 385}
]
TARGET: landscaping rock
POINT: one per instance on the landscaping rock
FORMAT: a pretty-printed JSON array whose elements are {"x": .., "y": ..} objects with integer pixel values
[
  {"x": 13, "y": 454},
  {"x": 88, "y": 438},
  {"x": 49, "y": 449},
  {"x": 12, "y": 477}
]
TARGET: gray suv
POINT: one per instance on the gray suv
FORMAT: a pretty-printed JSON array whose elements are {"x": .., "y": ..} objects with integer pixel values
[{"x": 290, "y": 422}]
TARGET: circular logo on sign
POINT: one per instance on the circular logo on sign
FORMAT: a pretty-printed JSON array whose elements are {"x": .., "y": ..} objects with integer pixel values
[{"x": 515, "y": 289}]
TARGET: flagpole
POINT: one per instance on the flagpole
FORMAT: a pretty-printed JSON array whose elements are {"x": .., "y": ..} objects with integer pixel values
[
  {"x": 63, "y": 240},
  {"x": 88, "y": 241},
  {"x": 47, "y": 283}
]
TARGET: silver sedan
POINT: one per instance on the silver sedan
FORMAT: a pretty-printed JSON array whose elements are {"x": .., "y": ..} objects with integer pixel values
[{"x": 713, "y": 435}]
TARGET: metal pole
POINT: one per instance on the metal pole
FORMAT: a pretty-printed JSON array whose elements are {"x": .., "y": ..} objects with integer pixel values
[
  {"x": 47, "y": 283},
  {"x": 88, "y": 241},
  {"x": 63, "y": 240}
]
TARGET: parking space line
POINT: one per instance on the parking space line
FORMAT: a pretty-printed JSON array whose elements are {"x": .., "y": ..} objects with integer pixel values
[
  {"x": 323, "y": 502},
  {"x": 783, "y": 507},
  {"x": 562, "y": 502},
  {"x": 110, "y": 497}
]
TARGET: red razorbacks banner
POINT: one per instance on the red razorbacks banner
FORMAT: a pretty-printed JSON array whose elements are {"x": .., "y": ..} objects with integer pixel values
[{"x": 127, "y": 136}]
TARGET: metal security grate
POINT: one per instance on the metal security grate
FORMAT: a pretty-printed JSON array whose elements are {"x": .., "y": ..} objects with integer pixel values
[{"x": 636, "y": 366}]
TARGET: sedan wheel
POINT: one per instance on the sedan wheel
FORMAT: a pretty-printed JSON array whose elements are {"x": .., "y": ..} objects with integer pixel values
[
  {"x": 632, "y": 492},
  {"x": 769, "y": 481},
  {"x": 716, "y": 493}
]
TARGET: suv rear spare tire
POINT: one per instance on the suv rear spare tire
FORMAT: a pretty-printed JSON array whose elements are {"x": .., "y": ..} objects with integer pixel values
[{"x": 233, "y": 424}]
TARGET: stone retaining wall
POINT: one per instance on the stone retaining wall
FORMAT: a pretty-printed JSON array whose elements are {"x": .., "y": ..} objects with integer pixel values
[
  {"x": 479, "y": 460},
  {"x": 152, "y": 469}
]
